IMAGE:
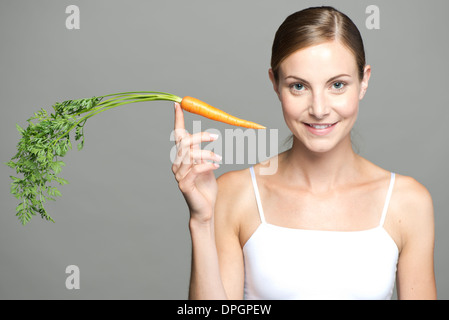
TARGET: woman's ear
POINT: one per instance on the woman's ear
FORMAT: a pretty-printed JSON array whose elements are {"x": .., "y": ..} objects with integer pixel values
[
  {"x": 274, "y": 82},
  {"x": 365, "y": 80}
]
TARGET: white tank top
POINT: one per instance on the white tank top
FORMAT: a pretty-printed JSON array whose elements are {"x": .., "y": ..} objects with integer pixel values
[{"x": 287, "y": 263}]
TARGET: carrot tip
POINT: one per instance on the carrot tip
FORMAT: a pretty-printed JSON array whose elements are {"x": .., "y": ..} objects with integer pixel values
[{"x": 257, "y": 126}]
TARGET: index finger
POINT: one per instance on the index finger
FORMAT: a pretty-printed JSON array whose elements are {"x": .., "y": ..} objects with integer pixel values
[{"x": 179, "y": 122}]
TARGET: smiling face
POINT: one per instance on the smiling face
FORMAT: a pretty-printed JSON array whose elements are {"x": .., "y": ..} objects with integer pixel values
[{"x": 319, "y": 89}]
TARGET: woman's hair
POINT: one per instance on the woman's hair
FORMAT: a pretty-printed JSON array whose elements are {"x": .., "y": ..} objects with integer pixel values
[{"x": 314, "y": 26}]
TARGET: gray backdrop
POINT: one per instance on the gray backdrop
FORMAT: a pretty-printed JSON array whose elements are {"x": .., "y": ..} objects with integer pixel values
[{"x": 121, "y": 219}]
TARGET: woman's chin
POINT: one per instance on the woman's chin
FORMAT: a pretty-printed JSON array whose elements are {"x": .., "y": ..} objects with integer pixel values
[{"x": 319, "y": 146}]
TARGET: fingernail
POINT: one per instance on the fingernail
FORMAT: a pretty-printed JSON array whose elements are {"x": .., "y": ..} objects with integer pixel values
[
  {"x": 213, "y": 136},
  {"x": 216, "y": 165},
  {"x": 218, "y": 157}
]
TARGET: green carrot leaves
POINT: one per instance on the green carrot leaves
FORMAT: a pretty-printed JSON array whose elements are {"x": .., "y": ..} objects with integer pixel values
[
  {"x": 42, "y": 143},
  {"x": 47, "y": 139}
]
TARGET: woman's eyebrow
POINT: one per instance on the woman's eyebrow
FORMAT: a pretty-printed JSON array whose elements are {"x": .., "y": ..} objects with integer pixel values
[
  {"x": 307, "y": 83},
  {"x": 338, "y": 76},
  {"x": 297, "y": 79}
]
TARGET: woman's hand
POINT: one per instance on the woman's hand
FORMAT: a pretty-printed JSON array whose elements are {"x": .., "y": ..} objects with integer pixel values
[{"x": 193, "y": 172}]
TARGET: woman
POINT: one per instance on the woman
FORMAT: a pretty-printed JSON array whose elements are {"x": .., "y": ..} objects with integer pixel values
[{"x": 328, "y": 224}]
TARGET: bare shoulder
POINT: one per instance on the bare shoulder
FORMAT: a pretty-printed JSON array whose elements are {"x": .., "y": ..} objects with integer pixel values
[
  {"x": 228, "y": 181},
  {"x": 234, "y": 196},
  {"x": 410, "y": 197},
  {"x": 413, "y": 197},
  {"x": 234, "y": 187},
  {"x": 414, "y": 210},
  {"x": 412, "y": 206}
]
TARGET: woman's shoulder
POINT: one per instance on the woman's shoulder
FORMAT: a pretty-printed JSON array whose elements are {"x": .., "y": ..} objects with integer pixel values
[
  {"x": 412, "y": 199},
  {"x": 408, "y": 184},
  {"x": 410, "y": 212},
  {"x": 230, "y": 179},
  {"x": 234, "y": 187},
  {"x": 408, "y": 191},
  {"x": 235, "y": 205},
  {"x": 239, "y": 183}
]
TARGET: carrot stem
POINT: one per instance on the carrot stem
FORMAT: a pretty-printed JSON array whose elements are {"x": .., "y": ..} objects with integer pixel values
[{"x": 119, "y": 99}]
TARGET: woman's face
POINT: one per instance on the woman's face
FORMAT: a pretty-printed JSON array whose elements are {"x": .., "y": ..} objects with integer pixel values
[{"x": 319, "y": 89}]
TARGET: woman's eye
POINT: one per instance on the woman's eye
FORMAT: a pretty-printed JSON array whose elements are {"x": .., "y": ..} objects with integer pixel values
[
  {"x": 338, "y": 85},
  {"x": 298, "y": 87}
]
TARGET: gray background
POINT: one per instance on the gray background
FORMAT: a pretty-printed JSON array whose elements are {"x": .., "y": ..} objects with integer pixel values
[{"x": 121, "y": 219}]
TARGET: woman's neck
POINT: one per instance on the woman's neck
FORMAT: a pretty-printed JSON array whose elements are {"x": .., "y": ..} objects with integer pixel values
[{"x": 320, "y": 171}]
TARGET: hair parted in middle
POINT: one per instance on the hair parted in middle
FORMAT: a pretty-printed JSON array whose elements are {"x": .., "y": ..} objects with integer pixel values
[{"x": 313, "y": 26}]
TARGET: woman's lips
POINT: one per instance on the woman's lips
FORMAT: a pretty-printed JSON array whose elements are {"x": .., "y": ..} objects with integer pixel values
[{"x": 320, "y": 129}]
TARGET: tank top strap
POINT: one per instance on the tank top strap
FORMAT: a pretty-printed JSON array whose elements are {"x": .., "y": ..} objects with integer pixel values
[
  {"x": 256, "y": 193},
  {"x": 387, "y": 200}
]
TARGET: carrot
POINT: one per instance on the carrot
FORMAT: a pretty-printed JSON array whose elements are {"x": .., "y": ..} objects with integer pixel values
[
  {"x": 189, "y": 104},
  {"x": 47, "y": 139},
  {"x": 201, "y": 108}
]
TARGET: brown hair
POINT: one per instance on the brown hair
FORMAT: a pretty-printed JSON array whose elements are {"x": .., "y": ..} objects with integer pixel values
[{"x": 314, "y": 26}]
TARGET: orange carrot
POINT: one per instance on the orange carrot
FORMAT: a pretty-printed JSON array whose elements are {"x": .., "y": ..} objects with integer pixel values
[{"x": 201, "y": 108}]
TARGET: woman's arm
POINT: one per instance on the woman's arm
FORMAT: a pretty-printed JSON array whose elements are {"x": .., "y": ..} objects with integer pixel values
[
  {"x": 415, "y": 275},
  {"x": 217, "y": 260},
  {"x": 205, "y": 278},
  {"x": 199, "y": 187},
  {"x": 229, "y": 210}
]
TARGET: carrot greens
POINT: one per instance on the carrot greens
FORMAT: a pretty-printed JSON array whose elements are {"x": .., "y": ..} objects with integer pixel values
[{"x": 48, "y": 138}]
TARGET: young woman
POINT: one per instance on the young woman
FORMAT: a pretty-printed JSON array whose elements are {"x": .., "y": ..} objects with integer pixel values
[{"x": 328, "y": 224}]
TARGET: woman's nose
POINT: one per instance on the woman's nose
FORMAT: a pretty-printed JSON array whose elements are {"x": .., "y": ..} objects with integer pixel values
[{"x": 318, "y": 107}]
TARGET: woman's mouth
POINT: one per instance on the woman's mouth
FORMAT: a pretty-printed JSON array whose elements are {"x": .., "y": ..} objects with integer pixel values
[{"x": 320, "y": 129}]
